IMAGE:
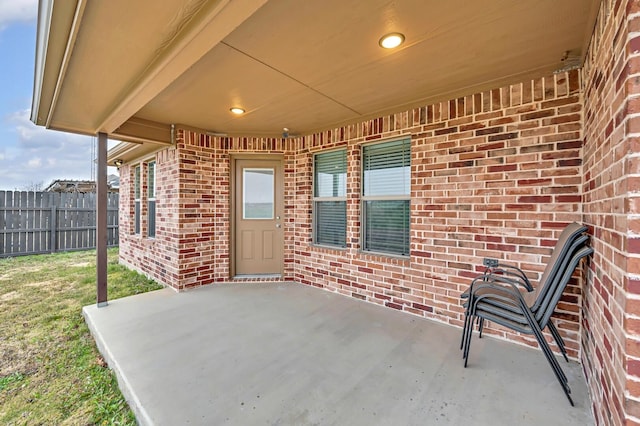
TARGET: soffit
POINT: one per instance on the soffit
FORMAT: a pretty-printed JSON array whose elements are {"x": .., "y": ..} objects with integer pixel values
[
  {"x": 313, "y": 65},
  {"x": 270, "y": 97},
  {"x": 306, "y": 65},
  {"x": 117, "y": 40}
]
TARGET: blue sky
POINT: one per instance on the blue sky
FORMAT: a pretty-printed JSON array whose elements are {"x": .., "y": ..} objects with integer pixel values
[{"x": 30, "y": 155}]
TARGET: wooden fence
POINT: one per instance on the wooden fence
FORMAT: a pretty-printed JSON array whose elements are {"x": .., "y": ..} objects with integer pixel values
[{"x": 46, "y": 222}]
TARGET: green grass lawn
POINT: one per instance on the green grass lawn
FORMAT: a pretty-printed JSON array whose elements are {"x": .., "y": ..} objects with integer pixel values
[{"x": 50, "y": 370}]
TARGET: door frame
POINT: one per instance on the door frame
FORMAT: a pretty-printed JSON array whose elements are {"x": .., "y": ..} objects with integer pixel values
[{"x": 233, "y": 158}]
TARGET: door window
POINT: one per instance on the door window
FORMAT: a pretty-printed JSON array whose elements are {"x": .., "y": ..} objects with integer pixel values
[{"x": 258, "y": 193}]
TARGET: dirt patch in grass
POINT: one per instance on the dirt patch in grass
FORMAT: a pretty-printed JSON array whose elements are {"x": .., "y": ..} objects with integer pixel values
[
  {"x": 80, "y": 264},
  {"x": 16, "y": 357},
  {"x": 9, "y": 296},
  {"x": 47, "y": 283},
  {"x": 50, "y": 370}
]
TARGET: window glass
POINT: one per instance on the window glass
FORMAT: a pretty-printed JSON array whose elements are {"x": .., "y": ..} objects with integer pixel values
[
  {"x": 258, "y": 193},
  {"x": 387, "y": 168},
  {"x": 331, "y": 174},
  {"x": 386, "y": 228},
  {"x": 136, "y": 191},
  {"x": 151, "y": 179},
  {"x": 330, "y": 198},
  {"x": 386, "y": 197},
  {"x": 151, "y": 199}
]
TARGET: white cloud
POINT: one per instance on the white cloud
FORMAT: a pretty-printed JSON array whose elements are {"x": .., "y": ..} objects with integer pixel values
[
  {"x": 17, "y": 11},
  {"x": 34, "y": 163},
  {"x": 38, "y": 155}
]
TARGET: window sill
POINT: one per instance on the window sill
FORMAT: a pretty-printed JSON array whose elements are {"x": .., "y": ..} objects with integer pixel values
[
  {"x": 325, "y": 247},
  {"x": 379, "y": 254}
]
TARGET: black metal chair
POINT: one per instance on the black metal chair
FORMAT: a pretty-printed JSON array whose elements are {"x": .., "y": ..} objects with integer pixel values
[
  {"x": 568, "y": 241},
  {"x": 516, "y": 313},
  {"x": 534, "y": 299}
]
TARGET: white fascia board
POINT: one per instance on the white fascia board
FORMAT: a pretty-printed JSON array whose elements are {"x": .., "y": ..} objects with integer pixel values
[{"x": 45, "y": 11}]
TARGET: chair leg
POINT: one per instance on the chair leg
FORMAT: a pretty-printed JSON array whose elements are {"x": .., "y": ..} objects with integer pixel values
[
  {"x": 467, "y": 344},
  {"x": 468, "y": 330},
  {"x": 558, "y": 338},
  {"x": 468, "y": 325},
  {"x": 464, "y": 328},
  {"x": 562, "y": 378},
  {"x": 549, "y": 353},
  {"x": 480, "y": 327}
]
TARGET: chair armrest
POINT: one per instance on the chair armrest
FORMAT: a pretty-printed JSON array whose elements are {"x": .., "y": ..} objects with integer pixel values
[
  {"x": 513, "y": 270},
  {"x": 493, "y": 278},
  {"x": 507, "y": 293}
]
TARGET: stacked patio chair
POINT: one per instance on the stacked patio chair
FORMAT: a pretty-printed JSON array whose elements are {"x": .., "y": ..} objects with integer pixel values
[
  {"x": 496, "y": 296},
  {"x": 570, "y": 239}
]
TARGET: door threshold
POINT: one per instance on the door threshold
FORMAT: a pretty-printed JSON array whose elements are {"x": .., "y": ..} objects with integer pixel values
[{"x": 256, "y": 276}]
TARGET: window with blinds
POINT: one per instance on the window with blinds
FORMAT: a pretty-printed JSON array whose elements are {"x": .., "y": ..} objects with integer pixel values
[
  {"x": 136, "y": 197},
  {"x": 330, "y": 198},
  {"x": 386, "y": 194},
  {"x": 151, "y": 199}
]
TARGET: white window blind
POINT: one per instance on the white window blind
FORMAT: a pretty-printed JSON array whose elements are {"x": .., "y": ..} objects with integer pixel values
[
  {"x": 386, "y": 197},
  {"x": 136, "y": 197},
  {"x": 151, "y": 199},
  {"x": 330, "y": 198}
]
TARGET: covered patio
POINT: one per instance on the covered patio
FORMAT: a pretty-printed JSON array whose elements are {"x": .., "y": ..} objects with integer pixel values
[
  {"x": 281, "y": 141},
  {"x": 286, "y": 353}
]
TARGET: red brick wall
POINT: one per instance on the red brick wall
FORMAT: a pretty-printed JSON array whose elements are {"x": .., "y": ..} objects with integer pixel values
[
  {"x": 125, "y": 204},
  {"x": 191, "y": 247},
  {"x": 497, "y": 174},
  {"x": 203, "y": 209},
  {"x": 155, "y": 257},
  {"x": 611, "y": 329}
]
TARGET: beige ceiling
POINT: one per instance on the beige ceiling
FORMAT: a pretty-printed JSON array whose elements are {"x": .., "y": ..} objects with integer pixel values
[{"x": 301, "y": 64}]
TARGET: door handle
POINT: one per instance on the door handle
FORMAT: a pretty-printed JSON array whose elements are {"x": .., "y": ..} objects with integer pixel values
[{"x": 278, "y": 225}]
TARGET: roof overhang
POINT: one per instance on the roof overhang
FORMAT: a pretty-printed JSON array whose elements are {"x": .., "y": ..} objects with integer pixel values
[{"x": 134, "y": 69}]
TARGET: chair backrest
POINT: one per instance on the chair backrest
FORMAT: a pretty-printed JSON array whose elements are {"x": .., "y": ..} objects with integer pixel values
[
  {"x": 544, "y": 290},
  {"x": 564, "y": 248},
  {"x": 546, "y": 310}
]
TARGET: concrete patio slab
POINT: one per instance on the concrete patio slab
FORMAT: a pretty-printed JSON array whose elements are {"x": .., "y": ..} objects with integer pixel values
[{"x": 288, "y": 354}]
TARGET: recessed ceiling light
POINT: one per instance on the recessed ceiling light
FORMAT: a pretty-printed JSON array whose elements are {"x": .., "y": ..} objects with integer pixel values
[
  {"x": 391, "y": 40},
  {"x": 237, "y": 110}
]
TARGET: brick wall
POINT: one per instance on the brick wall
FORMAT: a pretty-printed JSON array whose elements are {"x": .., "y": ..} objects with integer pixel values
[
  {"x": 496, "y": 174},
  {"x": 125, "y": 203},
  {"x": 192, "y": 243},
  {"x": 156, "y": 257},
  {"x": 203, "y": 185},
  {"x": 611, "y": 340}
]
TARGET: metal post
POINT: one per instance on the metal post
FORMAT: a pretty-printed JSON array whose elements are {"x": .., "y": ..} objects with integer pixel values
[{"x": 101, "y": 224}]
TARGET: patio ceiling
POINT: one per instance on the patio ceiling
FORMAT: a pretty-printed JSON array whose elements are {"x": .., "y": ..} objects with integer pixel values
[{"x": 131, "y": 69}]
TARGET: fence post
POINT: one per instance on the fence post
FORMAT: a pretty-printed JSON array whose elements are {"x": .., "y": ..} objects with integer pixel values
[{"x": 54, "y": 229}]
